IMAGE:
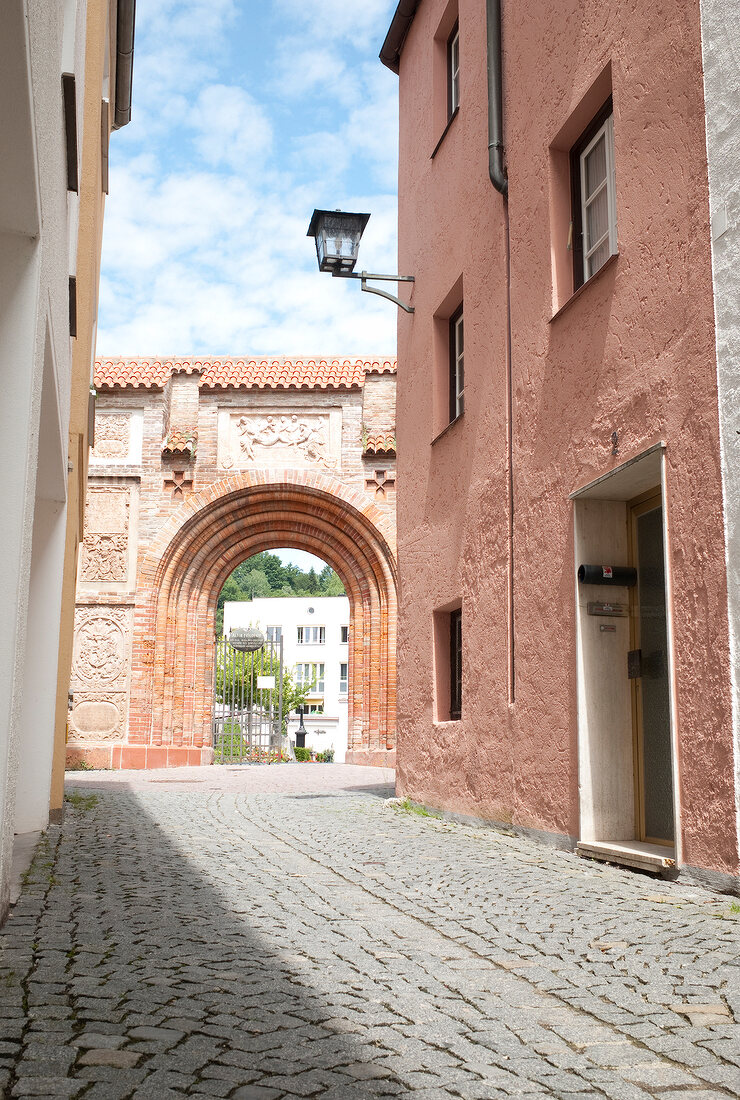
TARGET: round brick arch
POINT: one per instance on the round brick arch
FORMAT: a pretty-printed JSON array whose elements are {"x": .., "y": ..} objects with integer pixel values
[{"x": 182, "y": 575}]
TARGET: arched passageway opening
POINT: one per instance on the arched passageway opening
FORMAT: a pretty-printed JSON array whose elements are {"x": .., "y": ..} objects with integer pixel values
[{"x": 182, "y": 575}]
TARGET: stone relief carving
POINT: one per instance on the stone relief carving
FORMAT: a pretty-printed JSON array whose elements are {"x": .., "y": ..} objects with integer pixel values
[
  {"x": 105, "y": 546},
  {"x": 98, "y": 716},
  {"x": 281, "y": 439},
  {"x": 101, "y": 648},
  {"x": 112, "y": 437},
  {"x": 105, "y": 558}
]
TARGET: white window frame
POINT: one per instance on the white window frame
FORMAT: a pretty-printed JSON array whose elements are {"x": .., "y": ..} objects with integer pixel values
[
  {"x": 311, "y": 635},
  {"x": 343, "y": 677},
  {"x": 343, "y": 635},
  {"x": 273, "y": 633},
  {"x": 310, "y": 672},
  {"x": 453, "y": 73},
  {"x": 607, "y": 132}
]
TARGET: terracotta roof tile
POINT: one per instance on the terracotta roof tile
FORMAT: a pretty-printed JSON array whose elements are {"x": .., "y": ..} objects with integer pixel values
[
  {"x": 180, "y": 442},
  {"x": 242, "y": 373},
  {"x": 380, "y": 442}
]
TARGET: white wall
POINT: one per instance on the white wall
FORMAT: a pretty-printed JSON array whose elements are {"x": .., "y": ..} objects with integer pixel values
[
  {"x": 35, "y": 378},
  {"x": 721, "y": 57},
  {"x": 290, "y": 612}
]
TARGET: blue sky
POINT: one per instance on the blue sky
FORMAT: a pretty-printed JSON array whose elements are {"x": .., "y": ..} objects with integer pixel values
[{"x": 245, "y": 116}]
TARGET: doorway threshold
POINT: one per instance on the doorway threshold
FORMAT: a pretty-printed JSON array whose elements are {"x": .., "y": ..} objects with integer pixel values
[{"x": 657, "y": 858}]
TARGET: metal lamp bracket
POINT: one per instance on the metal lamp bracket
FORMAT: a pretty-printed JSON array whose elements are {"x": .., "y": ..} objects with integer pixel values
[{"x": 365, "y": 275}]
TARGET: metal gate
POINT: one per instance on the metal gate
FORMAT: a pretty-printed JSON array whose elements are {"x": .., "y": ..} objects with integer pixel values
[{"x": 248, "y": 699}]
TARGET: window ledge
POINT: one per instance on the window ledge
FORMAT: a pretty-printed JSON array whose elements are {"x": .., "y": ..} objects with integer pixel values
[
  {"x": 584, "y": 286},
  {"x": 445, "y": 723},
  {"x": 446, "y": 429},
  {"x": 450, "y": 120}
]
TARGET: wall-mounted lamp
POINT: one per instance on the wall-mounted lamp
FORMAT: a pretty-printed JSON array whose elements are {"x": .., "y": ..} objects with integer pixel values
[{"x": 337, "y": 234}]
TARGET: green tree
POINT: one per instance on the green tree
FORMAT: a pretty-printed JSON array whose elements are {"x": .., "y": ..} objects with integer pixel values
[{"x": 333, "y": 586}]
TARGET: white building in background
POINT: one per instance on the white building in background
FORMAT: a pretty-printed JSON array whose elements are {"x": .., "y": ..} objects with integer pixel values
[{"x": 315, "y": 633}]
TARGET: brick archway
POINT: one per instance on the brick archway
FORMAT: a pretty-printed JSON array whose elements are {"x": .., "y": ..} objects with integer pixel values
[{"x": 182, "y": 575}]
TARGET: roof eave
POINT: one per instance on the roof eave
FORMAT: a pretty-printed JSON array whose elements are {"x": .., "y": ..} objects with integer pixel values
[{"x": 390, "y": 53}]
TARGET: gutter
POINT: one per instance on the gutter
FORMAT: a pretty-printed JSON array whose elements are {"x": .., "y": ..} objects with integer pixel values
[
  {"x": 126, "y": 15},
  {"x": 390, "y": 53}
]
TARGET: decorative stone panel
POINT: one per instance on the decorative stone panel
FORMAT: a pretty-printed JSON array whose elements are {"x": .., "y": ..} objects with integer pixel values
[
  {"x": 118, "y": 437},
  {"x": 98, "y": 716},
  {"x": 105, "y": 550},
  {"x": 101, "y": 648},
  {"x": 112, "y": 437},
  {"x": 280, "y": 438}
]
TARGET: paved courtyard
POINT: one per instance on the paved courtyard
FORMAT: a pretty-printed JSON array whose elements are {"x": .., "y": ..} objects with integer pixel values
[{"x": 282, "y": 932}]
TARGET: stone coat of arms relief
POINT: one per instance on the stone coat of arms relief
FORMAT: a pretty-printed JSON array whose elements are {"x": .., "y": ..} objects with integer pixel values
[
  {"x": 287, "y": 439},
  {"x": 100, "y": 673}
]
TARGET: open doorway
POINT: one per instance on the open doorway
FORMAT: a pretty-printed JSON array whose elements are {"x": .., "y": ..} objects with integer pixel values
[
  {"x": 298, "y": 603},
  {"x": 626, "y": 731}
]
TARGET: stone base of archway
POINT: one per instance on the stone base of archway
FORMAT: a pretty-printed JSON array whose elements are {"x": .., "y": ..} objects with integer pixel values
[
  {"x": 372, "y": 758},
  {"x": 141, "y": 757}
]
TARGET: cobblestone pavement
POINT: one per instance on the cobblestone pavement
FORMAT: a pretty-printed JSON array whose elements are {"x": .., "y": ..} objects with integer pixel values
[{"x": 282, "y": 932}]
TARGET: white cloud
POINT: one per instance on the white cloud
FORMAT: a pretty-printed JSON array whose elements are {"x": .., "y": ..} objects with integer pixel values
[
  {"x": 231, "y": 129},
  {"x": 363, "y": 24},
  {"x": 205, "y": 246}
]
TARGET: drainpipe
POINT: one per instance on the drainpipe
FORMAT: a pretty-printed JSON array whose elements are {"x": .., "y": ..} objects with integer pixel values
[
  {"x": 495, "y": 99},
  {"x": 500, "y": 181},
  {"x": 126, "y": 16}
]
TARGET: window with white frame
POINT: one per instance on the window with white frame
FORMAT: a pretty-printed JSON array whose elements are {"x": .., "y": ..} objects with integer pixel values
[
  {"x": 593, "y": 183},
  {"x": 457, "y": 365},
  {"x": 311, "y": 635},
  {"x": 315, "y": 708},
  {"x": 274, "y": 633},
  {"x": 308, "y": 674},
  {"x": 344, "y": 634},
  {"x": 343, "y": 679},
  {"x": 453, "y": 71}
]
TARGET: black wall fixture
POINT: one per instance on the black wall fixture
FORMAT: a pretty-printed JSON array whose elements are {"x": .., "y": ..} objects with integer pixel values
[{"x": 623, "y": 575}]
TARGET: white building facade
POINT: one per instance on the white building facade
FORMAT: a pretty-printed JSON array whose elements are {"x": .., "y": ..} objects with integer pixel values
[{"x": 315, "y": 633}]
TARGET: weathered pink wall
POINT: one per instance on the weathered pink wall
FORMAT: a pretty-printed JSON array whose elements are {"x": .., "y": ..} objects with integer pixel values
[{"x": 633, "y": 352}]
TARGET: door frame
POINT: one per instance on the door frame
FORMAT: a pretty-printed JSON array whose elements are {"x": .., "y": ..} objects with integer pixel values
[{"x": 643, "y": 475}]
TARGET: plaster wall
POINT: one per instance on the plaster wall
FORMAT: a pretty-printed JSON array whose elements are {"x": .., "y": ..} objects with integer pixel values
[
  {"x": 721, "y": 55},
  {"x": 35, "y": 359},
  {"x": 632, "y": 352}
]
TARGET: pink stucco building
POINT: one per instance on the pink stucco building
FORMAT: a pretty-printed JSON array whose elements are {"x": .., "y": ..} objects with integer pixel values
[{"x": 561, "y": 389}]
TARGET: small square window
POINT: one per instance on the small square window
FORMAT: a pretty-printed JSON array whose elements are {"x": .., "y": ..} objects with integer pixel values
[
  {"x": 274, "y": 633},
  {"x": 457, "y": 365},
  {"x": 593, "y": 192},
  {"x": 453, "y": 71}
]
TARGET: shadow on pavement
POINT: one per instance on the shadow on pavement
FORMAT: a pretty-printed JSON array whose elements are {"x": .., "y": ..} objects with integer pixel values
[{"x": 185, "y": 979}]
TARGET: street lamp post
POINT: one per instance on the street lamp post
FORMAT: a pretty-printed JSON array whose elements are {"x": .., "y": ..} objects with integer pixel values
[
  {"x": 300, "y": 733},
  {"x": 337, "y": 235}
]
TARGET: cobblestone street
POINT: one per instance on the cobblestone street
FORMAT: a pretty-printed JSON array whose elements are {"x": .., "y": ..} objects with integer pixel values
[{"x": 282, "y": 932}]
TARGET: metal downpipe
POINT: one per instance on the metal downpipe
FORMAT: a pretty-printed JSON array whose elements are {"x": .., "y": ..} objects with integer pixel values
[{"x": 495, "y": 99}]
